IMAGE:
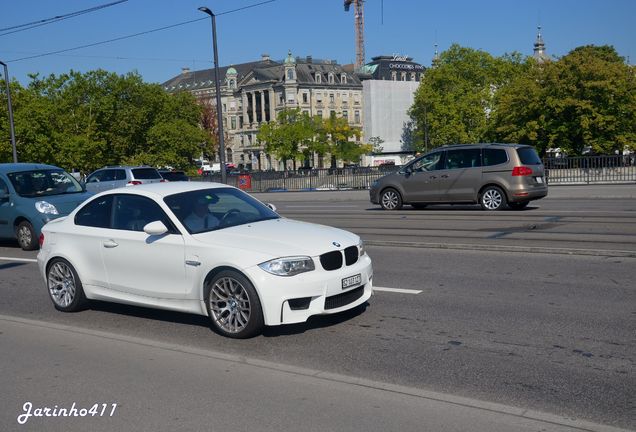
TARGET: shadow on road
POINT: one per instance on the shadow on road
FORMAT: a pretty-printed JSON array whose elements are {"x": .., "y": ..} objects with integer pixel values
[
  {"x": 9, "y": 243},
  {"x": 315, "y": 322},
  {"x": 11, "y": 265},
  {"x": 446, "y": 207}
]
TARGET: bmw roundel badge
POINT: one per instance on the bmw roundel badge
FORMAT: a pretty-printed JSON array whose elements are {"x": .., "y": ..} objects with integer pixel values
[{"x": 336, "y": 244}]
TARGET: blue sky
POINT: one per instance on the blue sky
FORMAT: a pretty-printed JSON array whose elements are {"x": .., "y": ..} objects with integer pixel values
[{"x": 319, "y": 28}]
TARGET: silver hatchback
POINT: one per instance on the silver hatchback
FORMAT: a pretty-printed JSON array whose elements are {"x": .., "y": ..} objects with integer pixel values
[
  {"x": 494, "y": 175},
  {"x": 119, "y": 176}
]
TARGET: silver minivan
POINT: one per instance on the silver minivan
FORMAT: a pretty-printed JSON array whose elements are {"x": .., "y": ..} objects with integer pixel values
[
  {"x": 494, "y": 175},
  {"x": 112, "y": 177}
]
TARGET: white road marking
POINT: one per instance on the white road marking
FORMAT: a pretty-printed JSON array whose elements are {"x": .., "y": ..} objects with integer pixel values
[
  {"x": 397, "y": 290},
  {"x": 18, "y": 259}
]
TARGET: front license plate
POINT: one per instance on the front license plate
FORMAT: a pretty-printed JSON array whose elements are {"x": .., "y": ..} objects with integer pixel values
[
  {"x": 351, "y": 281},
  {"x": 539, "y": 179}
]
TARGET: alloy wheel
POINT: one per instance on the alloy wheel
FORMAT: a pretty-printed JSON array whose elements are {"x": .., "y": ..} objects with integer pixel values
[
  {"x": 390, "y": 200},
  {"x": 230, "y": 304},
  {"x": 61, "y": 283},
  {"x": 24, "y": 236},
  {"x": 492, "y": 199}
]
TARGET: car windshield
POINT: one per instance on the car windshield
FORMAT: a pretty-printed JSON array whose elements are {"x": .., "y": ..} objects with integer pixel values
[
  {"x": 44, "y": 182},
  {"x": 217, "y": 208}
]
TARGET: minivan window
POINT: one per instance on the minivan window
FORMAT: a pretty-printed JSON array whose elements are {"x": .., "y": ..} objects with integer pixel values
[
  {"x": 430, "y": 162},
  {"x": 96, "y": 213},
  {"x": 463, "y": 158},
  {"x": 494, "y": 156},
  {"x": 528, "y": 156},
  {"x": 146, "y": 173},
  {"x": 38, "y": 183}
]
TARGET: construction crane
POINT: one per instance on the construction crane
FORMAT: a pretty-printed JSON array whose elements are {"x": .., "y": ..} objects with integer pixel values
[{"x": 358, "y": 9}]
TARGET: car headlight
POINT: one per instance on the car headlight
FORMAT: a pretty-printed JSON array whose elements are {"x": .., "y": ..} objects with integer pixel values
[
  {"x": 45, "y": 207},
  {"x": 361, "y": 250},
  {"x": 288, "y": 266}
]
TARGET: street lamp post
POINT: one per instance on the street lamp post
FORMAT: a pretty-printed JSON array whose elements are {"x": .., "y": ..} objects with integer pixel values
[
  {"x": 6, "y": 80},
  {"x": 217, "y": 87}
]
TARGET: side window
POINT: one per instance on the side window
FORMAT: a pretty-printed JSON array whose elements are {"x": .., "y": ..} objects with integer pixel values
[
  {"x": 96, "y": 213},
  {"x": 430, "y": 162},
  {"x": 464, "y": 158},
  {"x": 494, "y": 156},
  {"x": 95, "y": 177},
  {"x": 119, "y": 174},
  {"x": 134, "y": 212}
]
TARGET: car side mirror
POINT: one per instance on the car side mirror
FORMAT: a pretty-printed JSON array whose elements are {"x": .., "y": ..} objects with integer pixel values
[
  {"x": 271, "y": 206},
  {"x": 155, "y": 228}
]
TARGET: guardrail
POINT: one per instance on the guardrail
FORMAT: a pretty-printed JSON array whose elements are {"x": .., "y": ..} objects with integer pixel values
[{"x": 572, "y": 170}]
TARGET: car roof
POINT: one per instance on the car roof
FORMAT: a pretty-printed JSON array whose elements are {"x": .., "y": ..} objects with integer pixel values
[
  {"x": 124, "y": 167},
  {"x": 482, "y": 145},
  {"x": 17, "y": 167},
  {"x": 160, "y": 190}
]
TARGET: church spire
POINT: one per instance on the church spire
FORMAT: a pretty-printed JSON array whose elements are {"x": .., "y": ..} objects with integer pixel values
[
  {"x": 436, "y": 60},
  {"x": 539, "y": 48}
]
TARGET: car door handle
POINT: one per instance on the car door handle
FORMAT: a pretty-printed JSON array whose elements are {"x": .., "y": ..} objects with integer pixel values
[
  {"x": 444, "y": 176},
  {"x": 432, "y": 177},
  {"x": 110, "y": 244}
]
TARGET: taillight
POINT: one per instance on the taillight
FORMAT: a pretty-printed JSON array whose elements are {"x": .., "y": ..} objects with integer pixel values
[
  {"x": 41, "y": 239},
  {"x": 521, "y": 171},
  {"x": 134, "y": 183}
]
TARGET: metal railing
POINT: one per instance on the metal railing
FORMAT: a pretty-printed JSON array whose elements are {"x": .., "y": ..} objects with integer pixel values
[{"x": 564, "y": 171}]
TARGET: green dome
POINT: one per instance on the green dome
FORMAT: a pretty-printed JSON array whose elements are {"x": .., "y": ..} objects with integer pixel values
[
  {"x": 231, "y": 71},
  {"x": 290, "y": 60}
]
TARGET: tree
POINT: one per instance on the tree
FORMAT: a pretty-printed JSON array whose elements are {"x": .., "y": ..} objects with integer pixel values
[
  {"x": 455, "y": 98},
  {"x": 88, "y": 120},
  {"x": 586, "y": 99},
  {"x": 288, "y": 136},
  {"x": 339, "y": 135}
]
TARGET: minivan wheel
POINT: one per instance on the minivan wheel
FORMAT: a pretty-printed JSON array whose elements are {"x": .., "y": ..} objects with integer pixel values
[
  {"x": 518, "y": 205},
  {"x": 26, "y": 236},
  {"x": 391, "y": 199},
  {"x": 492, "y": 198}
]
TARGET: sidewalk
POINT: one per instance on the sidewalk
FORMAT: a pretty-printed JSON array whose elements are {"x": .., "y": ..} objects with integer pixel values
[{"x": 159, "y": 387}]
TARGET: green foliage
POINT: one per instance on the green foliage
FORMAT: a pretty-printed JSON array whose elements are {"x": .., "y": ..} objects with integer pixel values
[
  {"x": 455, "y": 98},
  {"x": 88, "y": 120}
]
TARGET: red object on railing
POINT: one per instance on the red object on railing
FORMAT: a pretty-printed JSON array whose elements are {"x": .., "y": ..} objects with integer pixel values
[{"x": 245, "y": 181}]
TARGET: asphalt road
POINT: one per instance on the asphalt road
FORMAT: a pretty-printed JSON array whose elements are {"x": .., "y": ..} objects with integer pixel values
[{"x": 544, "y": 323}]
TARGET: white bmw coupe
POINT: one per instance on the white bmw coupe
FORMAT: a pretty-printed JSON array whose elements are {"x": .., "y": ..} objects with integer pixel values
[{"x": 202, "y": 248}]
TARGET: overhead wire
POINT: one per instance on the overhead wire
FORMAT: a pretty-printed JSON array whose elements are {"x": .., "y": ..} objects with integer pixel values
[
  {"x": 136, "y": 34},
  {"x": 46, "y": 21}
]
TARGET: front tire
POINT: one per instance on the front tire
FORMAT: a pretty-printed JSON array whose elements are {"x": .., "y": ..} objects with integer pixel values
[
  {"x": 391, "y": 199},
  {"x": 233, "y": 305},
  {"x": 64, "y": 286},
  {"x": 26, "y": 236},
  {"x": 492, "y": 199}
]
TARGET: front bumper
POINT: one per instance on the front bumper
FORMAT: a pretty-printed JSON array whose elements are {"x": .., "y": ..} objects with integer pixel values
[{"x": 320, "y": 292}]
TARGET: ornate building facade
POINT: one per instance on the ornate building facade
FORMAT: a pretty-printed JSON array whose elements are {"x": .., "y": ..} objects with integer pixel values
[{"x": 253, "y": 93}]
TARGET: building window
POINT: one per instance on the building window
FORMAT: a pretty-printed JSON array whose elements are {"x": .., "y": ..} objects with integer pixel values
[
  {"x": 319, "y": 113},
  {"x": 306, "y": 112},
  {"x": 332, "y": 99},
  {"x": 290, "y": 74},
  {"x": 331, "y": 80},
  {"x": 224, "y": 107},
  {"x": 281, "y": 99},
  {"x": 305, "y": 98},
  {"x": 290, "y": 97},
  {"x": 332, "y": 113},
  {"x": 319, "y": 97},
  {"x": 356, "y": 116},
  {"x": 318, "y": 78},
  {"x": 345, "y": 115},
  {"x": 343, "y": 79},
  {"x": 233, "y": 122}
]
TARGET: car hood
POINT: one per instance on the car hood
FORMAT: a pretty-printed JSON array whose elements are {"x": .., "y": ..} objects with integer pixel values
[
  {"x": 282, "y": 237},
  {"x": 65, "y": 203}
]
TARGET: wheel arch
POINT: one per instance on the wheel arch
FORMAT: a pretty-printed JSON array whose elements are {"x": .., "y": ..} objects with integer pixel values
[{"x": 481, "y": 190}]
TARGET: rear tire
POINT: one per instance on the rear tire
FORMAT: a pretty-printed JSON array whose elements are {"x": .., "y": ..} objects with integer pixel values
[
  {"x": 391, "y": 199},
  {"x": 64, "y": 286},
  {"x": 26, "y": 236},
  {"x": 233, "y": 305},
  {"x": 492, "y": 198},
  {"x": 518, "y": 205}
]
